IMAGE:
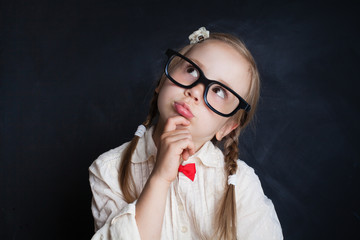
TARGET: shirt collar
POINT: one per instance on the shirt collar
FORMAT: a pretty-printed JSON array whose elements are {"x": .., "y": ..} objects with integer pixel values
[{"x": 208, "y": 154}]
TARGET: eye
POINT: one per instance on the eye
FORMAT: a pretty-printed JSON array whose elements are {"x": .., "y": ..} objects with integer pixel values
[
  {"x": 193, "y": 72},
  {"x": 219, "y": 91}
]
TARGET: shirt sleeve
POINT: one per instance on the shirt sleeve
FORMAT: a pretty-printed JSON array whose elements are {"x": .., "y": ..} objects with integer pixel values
[
  {"x": 256, "y": 216},
  {"x": 114, "y": 218}
]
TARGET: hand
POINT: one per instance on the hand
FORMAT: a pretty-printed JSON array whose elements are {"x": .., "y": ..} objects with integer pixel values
[{"x": 175, "y": 145}]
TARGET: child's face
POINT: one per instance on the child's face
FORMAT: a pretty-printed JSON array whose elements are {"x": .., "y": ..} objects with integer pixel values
[{"x": 219, "y": 62}]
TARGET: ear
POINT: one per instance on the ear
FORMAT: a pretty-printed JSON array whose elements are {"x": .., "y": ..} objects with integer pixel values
[
  {"x": 157, "y": 89},
  {"x": 226, "y": 129}
]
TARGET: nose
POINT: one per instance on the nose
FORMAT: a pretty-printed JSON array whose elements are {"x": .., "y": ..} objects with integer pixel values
[{"x": 195, "y": 92}]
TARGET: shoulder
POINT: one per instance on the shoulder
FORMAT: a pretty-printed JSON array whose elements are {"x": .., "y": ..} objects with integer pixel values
[
  {"x": 108, "y": 161},
  {"x": 249, "y": 191},
  {"x": 247, "y": 181},
  {"x": 246, "y": 173},
  {"x": 256, "y": 212}
]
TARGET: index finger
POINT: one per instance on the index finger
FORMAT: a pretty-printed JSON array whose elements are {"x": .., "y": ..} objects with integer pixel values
[{"x": 172, "y": 122}]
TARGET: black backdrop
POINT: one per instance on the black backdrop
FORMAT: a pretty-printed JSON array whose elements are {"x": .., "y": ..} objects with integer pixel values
[{"x": 76, "y": 78}]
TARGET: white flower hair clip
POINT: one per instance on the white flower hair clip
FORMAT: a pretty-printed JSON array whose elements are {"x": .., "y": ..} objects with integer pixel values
[{"x": 199, "y": 35}]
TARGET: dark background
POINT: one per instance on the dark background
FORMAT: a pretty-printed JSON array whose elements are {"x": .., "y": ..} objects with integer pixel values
[{"x": 76, "y": 78}]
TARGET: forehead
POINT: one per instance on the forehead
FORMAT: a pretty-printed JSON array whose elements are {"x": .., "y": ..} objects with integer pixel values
[{"x": 222, "y": 62}]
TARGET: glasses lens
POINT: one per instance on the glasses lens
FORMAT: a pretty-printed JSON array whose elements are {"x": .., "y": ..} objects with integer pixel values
[
  {"x": 183, "y": 71},
  {"x": 221, "y": 99}
]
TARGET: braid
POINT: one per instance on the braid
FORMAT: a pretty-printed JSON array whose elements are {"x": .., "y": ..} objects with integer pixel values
[
  {"x": 226, "y": 215},
  {"x": 231, "y": 151},
  {"x": 125, "y": 176}
]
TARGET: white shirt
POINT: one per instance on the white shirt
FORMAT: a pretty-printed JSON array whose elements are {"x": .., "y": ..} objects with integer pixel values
[{"x": 190, "y": 205}]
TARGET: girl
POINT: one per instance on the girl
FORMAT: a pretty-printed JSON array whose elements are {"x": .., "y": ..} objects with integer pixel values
[{"x": 171, "y": 181}]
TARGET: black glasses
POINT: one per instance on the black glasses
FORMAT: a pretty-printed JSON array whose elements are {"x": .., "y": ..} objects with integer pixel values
[{"x": 218, "y": 97}]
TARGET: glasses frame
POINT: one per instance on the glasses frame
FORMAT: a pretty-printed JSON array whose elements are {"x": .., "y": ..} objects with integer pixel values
[{"x": 207, "y": 83}]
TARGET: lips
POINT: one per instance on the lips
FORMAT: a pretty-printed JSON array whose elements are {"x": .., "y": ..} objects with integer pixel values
[{"x": 182, "y": 109}]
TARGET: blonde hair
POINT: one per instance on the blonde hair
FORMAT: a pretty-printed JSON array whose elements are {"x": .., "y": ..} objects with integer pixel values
[{"x": 225, "y": 218}]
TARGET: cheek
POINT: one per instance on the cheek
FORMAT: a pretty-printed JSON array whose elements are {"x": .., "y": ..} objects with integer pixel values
[
  {"x": 166, "y": 96},
  {"x": 209, "y": 122},
  {"x": 165, "y": 93},
  {"x": 162, "y": 100}
]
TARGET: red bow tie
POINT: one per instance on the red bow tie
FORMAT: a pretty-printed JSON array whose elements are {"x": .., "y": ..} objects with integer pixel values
[{"x": 188, "y": 170}]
